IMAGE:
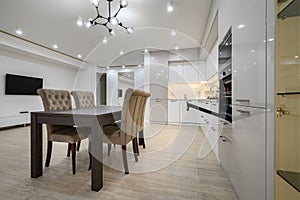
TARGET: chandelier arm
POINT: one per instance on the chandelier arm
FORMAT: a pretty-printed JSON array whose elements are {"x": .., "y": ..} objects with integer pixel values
[
  {"x": 120, "y": 24},
  {"x": 115, "y": 15},
  {"x": 109, "y": 9}
]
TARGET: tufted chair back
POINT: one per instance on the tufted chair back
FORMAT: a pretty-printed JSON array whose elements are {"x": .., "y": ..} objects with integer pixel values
[
  {"x": 83, "y": 99},
  {"x": 132, "y": 120},
  {"x": 55, "y": 100}
]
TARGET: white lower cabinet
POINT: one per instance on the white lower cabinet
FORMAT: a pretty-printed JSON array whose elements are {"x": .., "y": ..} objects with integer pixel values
[
  {"x": 173, "y": 111},
  {"x": 159, "y": 111},
  {"x": 190, "y": 116},
  {"x": 242, "y": 152}
]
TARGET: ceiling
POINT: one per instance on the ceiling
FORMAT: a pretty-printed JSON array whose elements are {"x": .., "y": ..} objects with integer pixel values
[{"x": 54, "y": 21}]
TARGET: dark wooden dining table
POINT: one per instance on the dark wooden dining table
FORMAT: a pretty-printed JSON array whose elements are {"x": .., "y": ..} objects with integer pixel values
[{"x": 94, "y": 118}]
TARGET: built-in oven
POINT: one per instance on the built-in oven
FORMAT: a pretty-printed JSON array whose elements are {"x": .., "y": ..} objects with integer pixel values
[{"x": 225, "y": 77}]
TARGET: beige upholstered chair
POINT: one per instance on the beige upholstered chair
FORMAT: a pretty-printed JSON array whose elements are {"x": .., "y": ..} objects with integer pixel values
[
  {"x": 60, "y": 100},
  {"x": 85, "y": 99},
  {"x": 132, "y": 122}
]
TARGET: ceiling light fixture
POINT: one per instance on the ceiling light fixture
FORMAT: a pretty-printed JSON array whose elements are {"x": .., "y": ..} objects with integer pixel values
[
  {"x": 173, "y": 32},
  {"x": 121, "y": 52},
  {"x": 79, "y": 21},
  {"x": 123, "y": 66},
  {"x": 55, "y": 46},
  {"x": 79, "y": 56},
  {"x": 19, "y": 31},
  {"x": 111, "y": 21},
  {"x": 241, "y": 26},
  {"x": 170, "y": 7}
]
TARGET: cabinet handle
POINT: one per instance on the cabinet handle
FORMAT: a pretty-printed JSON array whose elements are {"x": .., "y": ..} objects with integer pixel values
[
  {"x": 243, "y": 100},
  {"x": 243, "y": 111},
  {"x": 223, "y": 138}
]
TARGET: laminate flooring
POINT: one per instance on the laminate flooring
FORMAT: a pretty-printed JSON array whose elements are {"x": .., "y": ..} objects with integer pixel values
[{"x": 170, "y": 168}]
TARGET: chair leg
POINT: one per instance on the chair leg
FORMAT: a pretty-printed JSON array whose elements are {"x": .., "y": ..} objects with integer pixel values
[
  {"x": 108, "y": 149},
  {"x": 49, "y": 152},
  {"x": 78, "y": 145},
  {"x": 90, "y": 155},
  {"x": 142, "y": 139},
  {"x": 69, "y": 150},
  {"x": 124, "y": 155},
  {"x": 135, "y": 147},
  {"x": 73, "y": 150}
]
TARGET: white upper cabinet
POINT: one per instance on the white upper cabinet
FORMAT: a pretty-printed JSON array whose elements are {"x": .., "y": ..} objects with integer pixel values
[
  {"x": 176, "y": 73},
  {"x": 211, "y": 64},
  {"x": 248, "y": 54},
  {"x": 191, "y": 71},
  {"x": 182, "y": 72}
]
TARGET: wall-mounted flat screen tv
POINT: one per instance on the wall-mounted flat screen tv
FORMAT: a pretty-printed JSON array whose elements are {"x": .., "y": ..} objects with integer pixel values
[{"x": 22, "y": 85}]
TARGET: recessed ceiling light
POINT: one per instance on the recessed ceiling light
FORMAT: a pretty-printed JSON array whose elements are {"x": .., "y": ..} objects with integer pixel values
[
  {"x": 146, "y": 50},
  {"x": 176, "y": 48},
  {"x": 296, "y": 57},
  {"x": 241, "y": 26},
  {"x": 79, "y": 56},
  {"x": 19, "y": 31},
  {"x": 173, "y": 32},
  {"x": 104, "y": 41},
  {"x": 139, "y": 65},
  {"x": 271, "y": 39},
  {"x": 79, "y": 21},
  {"x": 107, "y": 67},
  {"x": 55, "y": 46},
  {"x": 121, "y": 52},
  {"x": 170, "y": 7},
  {"x": 252, "y": 50},
  {"x": 123, "y": 66}
]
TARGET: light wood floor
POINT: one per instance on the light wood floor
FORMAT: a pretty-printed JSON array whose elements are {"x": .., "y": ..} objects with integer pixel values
[{"x": 169, "y": 168}]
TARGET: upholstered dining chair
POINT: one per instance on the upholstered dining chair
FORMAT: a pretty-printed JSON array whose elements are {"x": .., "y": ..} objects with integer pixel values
[
  {"x": 60, "y": 100},
  {"x": 132, "y": 122},
  {"x": 85, "y": 99}
]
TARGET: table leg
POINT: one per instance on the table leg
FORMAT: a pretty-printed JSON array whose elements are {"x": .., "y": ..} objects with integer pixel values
[
  {"x": 97, "y": 156},
  {"x": 36, "y": 148}
]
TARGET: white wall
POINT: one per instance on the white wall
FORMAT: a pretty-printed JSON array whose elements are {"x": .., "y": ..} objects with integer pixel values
[{"x": 54, "y": 77}]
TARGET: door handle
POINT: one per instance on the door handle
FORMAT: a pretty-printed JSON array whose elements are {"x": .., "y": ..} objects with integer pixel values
[
  {"x": 281, "y": 112},
  {"x": 243, "y": 111}
]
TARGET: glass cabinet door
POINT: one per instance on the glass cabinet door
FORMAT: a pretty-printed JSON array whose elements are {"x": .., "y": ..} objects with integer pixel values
[{"x": 288, "y": 102}]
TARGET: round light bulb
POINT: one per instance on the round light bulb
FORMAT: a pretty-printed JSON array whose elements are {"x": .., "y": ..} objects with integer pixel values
[
  {"x": 123, "y": 66},
  {"x": 95, "y": 3},
  {"x": 123, "y": 3},
  {"x": 114, "y": 21},
  {"x": 112, "y": 32},
  {"x": 88, "y": 23},
  {"x": 130, "y": 30}
]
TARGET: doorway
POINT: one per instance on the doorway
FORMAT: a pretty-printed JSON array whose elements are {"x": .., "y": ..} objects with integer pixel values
[{"x": 101, "y": 89}]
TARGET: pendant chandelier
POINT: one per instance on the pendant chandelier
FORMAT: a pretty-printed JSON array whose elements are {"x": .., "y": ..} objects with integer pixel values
[{"x": 111, "y": 21}]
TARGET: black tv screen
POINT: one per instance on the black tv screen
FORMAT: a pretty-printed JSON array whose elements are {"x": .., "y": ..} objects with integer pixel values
[{"x": 22, "y": 85}]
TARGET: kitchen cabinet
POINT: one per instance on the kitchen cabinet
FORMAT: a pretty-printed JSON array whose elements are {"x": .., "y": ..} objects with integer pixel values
[
  {"x": 191, "y": 71},
  {"x": 190, "y": 116},
  {"x": 173, "y": 111},
  {"x": 187, "y": 71},
  {"x": 176, "y": 73},
  {"x": 159, "y": 111},
  {"x": 242, "y": 152}
]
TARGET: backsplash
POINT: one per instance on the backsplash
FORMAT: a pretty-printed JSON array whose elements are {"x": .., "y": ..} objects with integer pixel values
[{"x": 199, "y": 90}]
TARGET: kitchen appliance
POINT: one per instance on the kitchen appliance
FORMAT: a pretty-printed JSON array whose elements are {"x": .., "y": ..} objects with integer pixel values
[{"x": 225, "y": 77}]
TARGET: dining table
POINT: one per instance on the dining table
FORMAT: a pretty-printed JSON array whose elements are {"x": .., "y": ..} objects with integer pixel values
[{"x": 93, "y": 118}]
